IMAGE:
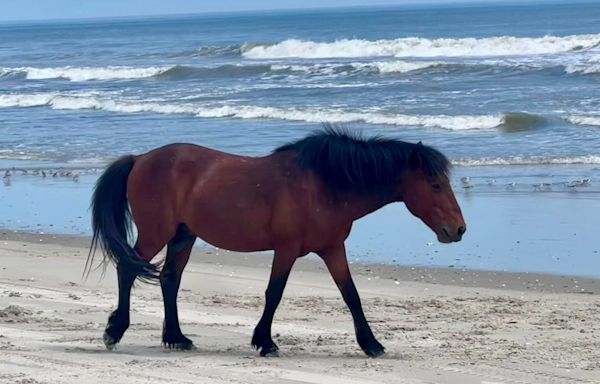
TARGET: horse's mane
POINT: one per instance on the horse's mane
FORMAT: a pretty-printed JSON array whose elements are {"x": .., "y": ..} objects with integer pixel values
[{"x": 349, "y": 162}]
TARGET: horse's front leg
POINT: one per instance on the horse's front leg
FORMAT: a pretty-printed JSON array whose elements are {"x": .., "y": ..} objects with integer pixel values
[
  {"x": 282, "y": 265},
  {"x": 335, "y": 259}
]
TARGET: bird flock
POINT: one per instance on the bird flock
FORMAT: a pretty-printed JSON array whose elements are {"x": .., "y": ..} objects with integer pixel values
[{"x": 63, "y": 174}]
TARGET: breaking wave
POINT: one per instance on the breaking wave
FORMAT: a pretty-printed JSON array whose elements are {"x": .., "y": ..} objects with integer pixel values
[
  {"x": 585, "y": 68},
  {"x": 585, "y": 120},
  {"x": 422, "y": 47},
  {"x": 76, "y": 102},
  {"x": 84, "y": 73},
  {"x": 519, "y": 121},
  {"x": 374, "y": 67},
  {"x": 183, "y": 72}
]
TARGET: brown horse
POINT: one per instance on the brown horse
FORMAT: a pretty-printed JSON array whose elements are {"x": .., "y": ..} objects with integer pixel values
[{"x": 302, "y": 198}]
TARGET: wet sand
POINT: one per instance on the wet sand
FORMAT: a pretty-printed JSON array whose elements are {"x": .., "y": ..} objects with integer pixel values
[{"x": 438, "y": 325}]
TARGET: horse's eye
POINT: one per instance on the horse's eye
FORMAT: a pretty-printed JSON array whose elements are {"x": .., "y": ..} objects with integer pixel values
[{"x": 436, "y": 186}]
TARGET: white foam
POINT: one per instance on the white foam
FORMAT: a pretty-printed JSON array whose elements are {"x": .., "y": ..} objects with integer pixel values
[
  {"x": 585, "y": 120},
  {"x": 336, "y": 116},
  {"x": 24, "y": 100},
  {"x": 403, "y": 66},
  {"x": 591, "y": 159},
  {"x": 76, "y": 102},
  {"x": 86, "y": 73},
  {"x": 422, "y": 47},
  {"x": 397, "y": 66},
  {"x": 585, "y": 68}
]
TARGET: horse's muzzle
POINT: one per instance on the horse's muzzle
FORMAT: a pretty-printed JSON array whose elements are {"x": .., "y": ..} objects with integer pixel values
[{"x": 447, "y": 235}]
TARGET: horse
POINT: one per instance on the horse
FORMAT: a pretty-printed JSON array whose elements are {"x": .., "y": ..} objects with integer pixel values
[{"x": 301, "y": 198}]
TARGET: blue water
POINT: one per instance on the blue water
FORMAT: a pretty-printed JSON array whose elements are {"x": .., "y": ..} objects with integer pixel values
[{"x": 510, "y": 93}]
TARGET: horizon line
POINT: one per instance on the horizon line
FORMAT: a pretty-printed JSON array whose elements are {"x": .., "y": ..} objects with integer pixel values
[{"x": 415, "y": 4}]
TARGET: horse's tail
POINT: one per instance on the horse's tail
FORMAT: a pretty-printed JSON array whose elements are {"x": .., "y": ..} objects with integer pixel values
[{"x": 111, "y": 223}]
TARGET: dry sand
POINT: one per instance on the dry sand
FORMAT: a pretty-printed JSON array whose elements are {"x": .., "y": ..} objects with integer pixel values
[{"x": 438, "y": 325}]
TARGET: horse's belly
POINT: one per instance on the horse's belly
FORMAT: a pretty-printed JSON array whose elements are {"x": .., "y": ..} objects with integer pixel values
[{"x": 235, "y": 231}]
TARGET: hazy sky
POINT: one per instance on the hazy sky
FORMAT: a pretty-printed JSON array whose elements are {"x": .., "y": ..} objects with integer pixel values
[{"x": 14, "y": 10}]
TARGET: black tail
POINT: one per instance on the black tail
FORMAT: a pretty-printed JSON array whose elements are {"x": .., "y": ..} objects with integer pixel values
[{"x": 111, "y": 222}]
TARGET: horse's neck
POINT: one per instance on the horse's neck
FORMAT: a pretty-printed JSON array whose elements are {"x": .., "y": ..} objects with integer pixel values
[{"x": 359, "y": 206}]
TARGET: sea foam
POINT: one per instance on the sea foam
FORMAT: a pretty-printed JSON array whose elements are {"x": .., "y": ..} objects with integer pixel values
[
  {"x": 317, "y": 115},
  {"x": 422, "y": 47},
  {"x": 585, "y": 120},
  {"x": 85, "y": 73}
]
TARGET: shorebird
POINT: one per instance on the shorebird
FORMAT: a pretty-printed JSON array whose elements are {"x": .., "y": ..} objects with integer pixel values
[
  {"x": 542, "y": 187},
  {"x": 585, "y": 182},
  {"x": 511, "y": 185},
  {"x": 466, "y": 182},
  {"x": 579, "y": 183}
]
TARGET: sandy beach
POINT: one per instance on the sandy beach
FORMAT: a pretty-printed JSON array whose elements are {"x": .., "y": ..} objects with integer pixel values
[
  {"x": 508, "y": 91},
  {"x": 438, "y": 325}
]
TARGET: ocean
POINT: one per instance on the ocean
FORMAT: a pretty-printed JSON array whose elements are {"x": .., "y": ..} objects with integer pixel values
[{"x": 509, "y": 93}]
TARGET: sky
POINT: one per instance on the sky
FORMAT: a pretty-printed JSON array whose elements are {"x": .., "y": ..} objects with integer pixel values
[{"x": 19, "y": 10}]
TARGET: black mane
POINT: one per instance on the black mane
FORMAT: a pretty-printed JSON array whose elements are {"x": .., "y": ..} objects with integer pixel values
[{"x": 349, "y": 162}]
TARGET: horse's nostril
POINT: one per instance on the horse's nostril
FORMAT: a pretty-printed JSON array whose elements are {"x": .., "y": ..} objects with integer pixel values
[
  {"x": 461, "y": 230},
  {"x": 445, "y": 232}
]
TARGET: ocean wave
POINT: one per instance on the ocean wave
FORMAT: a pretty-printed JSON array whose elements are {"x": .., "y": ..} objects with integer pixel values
[
  {"x": 220, "y": 51},
  {"x": 77, "y": 102},
  {"x": 182, "y": 72},
  {"x": 381, "y": 67},
  {"x": 26, "y": 100},
  {"x": 461, "y": 122},
  {"x": 519, "y": 121},
  {"x": 421, "y": 47},
  {"x": 534, "y": 160},
  {"x": 585, "y": 68},
  {"x": 85, "y": 73},
  {"x": 585, "y": 120},
  {"x": 176, "y": 72}
]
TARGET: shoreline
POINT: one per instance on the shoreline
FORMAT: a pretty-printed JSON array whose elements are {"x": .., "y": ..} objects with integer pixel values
[
  {"x": 456, "y": 277},
  {"x": 545, "y": 231}
]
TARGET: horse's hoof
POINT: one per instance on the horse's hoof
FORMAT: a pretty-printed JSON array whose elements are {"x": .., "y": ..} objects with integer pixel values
[
  {"x": 375, "y": 351},
  {"x": 185, "y": 345},
  {"x": 269, "y": 349},
  {"x": 269, "y": 352},
  {"x": 109, "y": 341}
]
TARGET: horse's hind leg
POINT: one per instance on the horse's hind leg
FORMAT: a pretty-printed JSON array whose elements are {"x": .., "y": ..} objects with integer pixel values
[
  {"x": 178, "y": 254},
  {"x": 118, "y": 321}
]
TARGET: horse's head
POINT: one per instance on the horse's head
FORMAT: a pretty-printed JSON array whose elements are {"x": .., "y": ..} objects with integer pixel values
[{"x": 430, "y": 198}]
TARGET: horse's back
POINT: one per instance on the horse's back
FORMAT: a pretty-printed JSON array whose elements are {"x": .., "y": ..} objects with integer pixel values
[{"x": 227, "y": 200}]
